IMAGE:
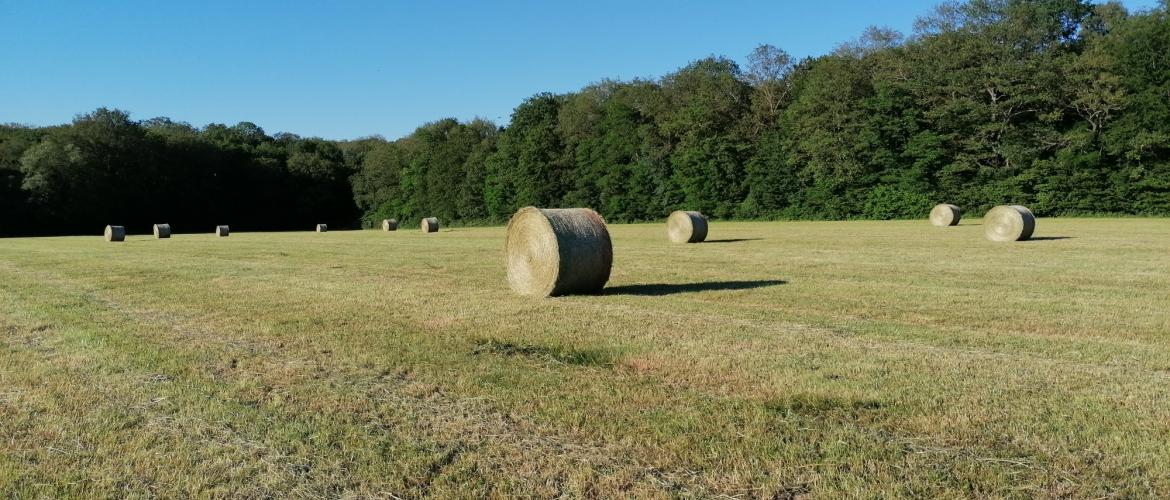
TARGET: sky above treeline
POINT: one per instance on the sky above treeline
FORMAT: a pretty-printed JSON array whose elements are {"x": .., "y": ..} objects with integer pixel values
[{"x": 343, "y": 70}]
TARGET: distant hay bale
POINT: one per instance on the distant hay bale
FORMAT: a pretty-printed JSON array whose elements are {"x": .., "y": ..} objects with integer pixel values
[
  {"x": 945, "y": 214},
  {"x": 1009, "y": 223},
  {"x": 222, "y": 231},
  {"x": 430, "y": 225},
  {"x": 162, "y": 231},
  {"x": 322, "y": 228},
  {"x": 686, "y": 227},
  {"x": 115, "y": 233},
  {"x": 390, "y": 225},
  {"x": 557, "y": 251}
]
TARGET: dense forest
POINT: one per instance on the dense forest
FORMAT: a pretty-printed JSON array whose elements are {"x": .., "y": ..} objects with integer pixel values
[{"x": 1061, "y": 105}]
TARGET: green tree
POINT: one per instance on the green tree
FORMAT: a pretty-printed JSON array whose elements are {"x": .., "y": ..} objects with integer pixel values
[
  {"x": 708, "y": 100},
  {"x": 528, "y": 166}
]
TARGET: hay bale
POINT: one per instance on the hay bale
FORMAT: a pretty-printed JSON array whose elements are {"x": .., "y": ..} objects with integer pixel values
[
  {"x": 390, "y": 225},
  {"x": 222, "y": 231},
  {"x": 430, "y": 225},
  {"x": 557, "y": 251},
  {"x": 162, "y": 231},
  {"x": 945, "y": 214},
  {"x": 115, "y": 233},
  {"x": 686, "y": 227},
  {"x": 1009, "y": 223},
  {"x": 322, "y": 228}
]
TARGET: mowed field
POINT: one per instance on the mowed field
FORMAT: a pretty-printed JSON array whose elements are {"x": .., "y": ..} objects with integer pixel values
[{"x": 776, "y": 360}]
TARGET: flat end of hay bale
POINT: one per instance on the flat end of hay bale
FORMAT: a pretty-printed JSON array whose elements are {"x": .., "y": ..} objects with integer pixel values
[
  {"x": 686, "y": 227},
  {"x": 1009, "y": 223},
  {"x": 945, "y": 214},
  {"x": 552, "y": 252}
]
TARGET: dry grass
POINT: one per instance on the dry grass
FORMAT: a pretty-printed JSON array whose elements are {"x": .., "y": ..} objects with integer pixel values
[{"x": 776, "y": 360}]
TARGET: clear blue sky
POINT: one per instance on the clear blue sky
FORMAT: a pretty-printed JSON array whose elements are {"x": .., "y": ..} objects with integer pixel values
[{"x": 343, "y": 70}]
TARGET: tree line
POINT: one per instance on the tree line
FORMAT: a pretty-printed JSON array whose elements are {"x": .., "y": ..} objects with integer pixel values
[
  {"x": 1061, "y": 105},
  {"x": 104, "y": 168}
]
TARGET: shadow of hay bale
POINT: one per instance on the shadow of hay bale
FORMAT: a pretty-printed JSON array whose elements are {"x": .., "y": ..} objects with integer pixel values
[
  {"x": 1044, "y": 238},
  {"x": 659, "y": 289},
  {"x": 732, "y": 240}
]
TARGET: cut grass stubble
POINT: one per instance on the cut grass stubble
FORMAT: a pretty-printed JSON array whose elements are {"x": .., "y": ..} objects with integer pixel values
[{"x": 282, "y": 364}]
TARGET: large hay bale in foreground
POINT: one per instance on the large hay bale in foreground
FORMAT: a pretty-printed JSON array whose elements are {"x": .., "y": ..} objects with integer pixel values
[
  {"x": 557, "y": 251},
  {"x": 322, "y": 228},
  {"x": 115, "y": 233},
  {"x": 945, "y": 214},
  {"x": 162, "y": 231},
  {"x": 686, "y": 227},
  {"x": 430, "y": 225},
  {"x": 390, "y": 225},
  {"x": 222, "y": 231},
  {"x": 1009, "y": 223}
]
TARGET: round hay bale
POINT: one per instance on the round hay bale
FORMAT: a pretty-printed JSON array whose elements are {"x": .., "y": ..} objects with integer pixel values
[
  {"x": 557, "y": 251},
  {"x": 162, "y": 231},
  {"x": 686, "y": 227},
  {"x": 1009, "y": 223},
  {"x": 945, "y": 214},
  {"x": 222, "y": 231},
  {"x": 115, "y": 233},
  {"x": 430, "y": 225},
  {"x": 322, "y": 228},
  {"x": 390, "y": 225}
]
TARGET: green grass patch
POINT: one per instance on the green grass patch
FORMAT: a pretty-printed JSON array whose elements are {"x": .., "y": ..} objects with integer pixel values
[{"x": 542, "y": 353}]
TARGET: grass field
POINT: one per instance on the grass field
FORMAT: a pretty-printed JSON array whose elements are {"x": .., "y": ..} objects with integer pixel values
[{"x": 776, "y": 360}]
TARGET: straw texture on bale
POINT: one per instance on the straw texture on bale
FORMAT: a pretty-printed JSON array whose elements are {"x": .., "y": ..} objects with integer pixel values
[
  {"x": 557, "y": 251},
  {"x": 430, "y": 225},
  {"x": 945, "y": 214},
  {"x": 115, "y": 233},
  {"x": 1009, "y": 223},
  {"x": 390, "y": 225},
  {"x": 686, "y": 227},
  {"x": 162, "y": 231},
  {"x": 322, "y": 228},
  {"x": 222, "y": 231}
]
